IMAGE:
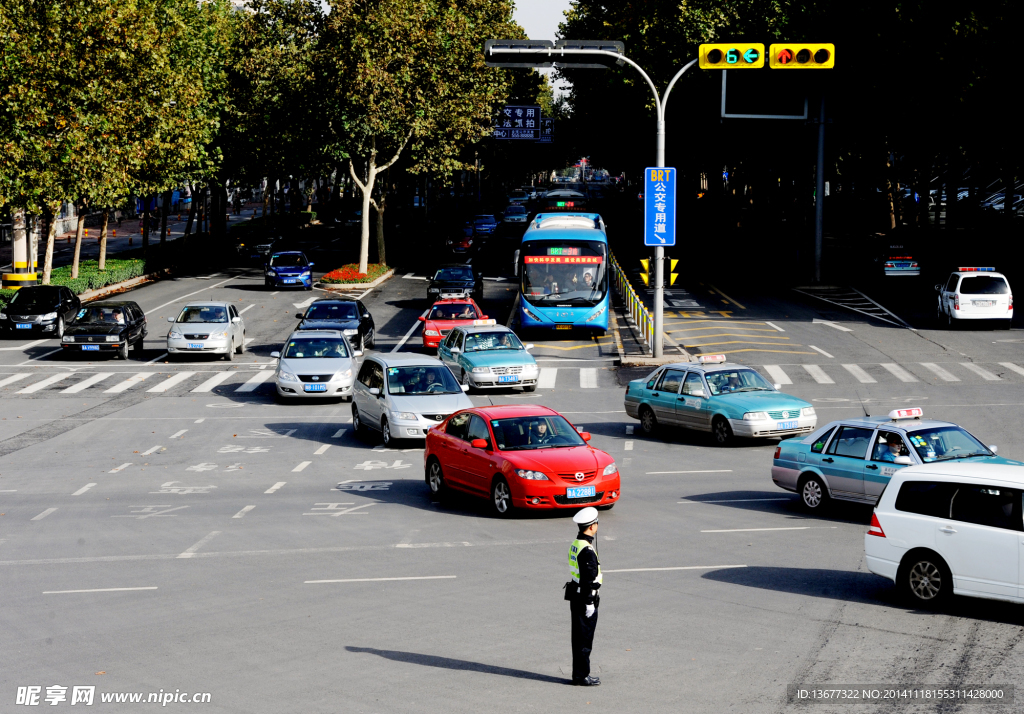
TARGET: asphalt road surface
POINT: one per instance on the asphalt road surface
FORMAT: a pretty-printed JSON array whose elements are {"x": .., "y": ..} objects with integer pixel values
[{"x": 169, "y": 526}]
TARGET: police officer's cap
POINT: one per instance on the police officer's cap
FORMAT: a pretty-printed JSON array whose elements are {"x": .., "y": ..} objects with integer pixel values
[{"x": 586, "y": 517}]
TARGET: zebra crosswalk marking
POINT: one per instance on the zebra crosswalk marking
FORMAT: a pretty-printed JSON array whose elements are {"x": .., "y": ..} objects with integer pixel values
[
  {"x": 898, "y": 372},
  {"x": 128, "y": 383},
  {"x": 588, "y": 377},
  {"x": 1009, "y": 365},
  {"x": 213, "y": 381},
  {"x": 939, "y": 372},
  {"x": 858, "y": 372},
  {"x": 777, "y": 374},
  {"x": 86, "y": 383},
  {"x": 818, "y": 374},
  {"x": 172, "y": 381},
  {"x": 14, "y": 378},
  {"x": 983, "y": 373},
  {"x": 43, "y": 383},
  {"x": 547, "y": 378},
  {"x": 255, "y": 381}
]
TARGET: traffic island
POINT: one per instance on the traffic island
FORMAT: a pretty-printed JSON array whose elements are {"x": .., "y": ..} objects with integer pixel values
[{"x": 348, "y": 277}]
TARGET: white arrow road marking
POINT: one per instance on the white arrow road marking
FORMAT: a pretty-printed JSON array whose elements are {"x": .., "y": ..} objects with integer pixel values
[
  {"x": 305, "y": 303},
  {"x": 83, "y": 489},
  {"x": 830, "y": 323}
]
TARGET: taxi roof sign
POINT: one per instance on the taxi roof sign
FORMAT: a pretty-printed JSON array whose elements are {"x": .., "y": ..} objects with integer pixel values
[
  {"x": 711, "y": 359},
  {"x": 915, "y": 413},
  {"x": 481, "y": 323}
]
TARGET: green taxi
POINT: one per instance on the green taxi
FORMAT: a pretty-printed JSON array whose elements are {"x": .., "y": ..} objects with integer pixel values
[{"x": 486, "y": 355}]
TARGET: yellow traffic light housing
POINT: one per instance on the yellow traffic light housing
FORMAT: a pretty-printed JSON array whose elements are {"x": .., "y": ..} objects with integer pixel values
[
  {"x": 731, "y": 55},
  {"x": 802, "y": 55},
  {"x": 672, "y": 275},
  {"x": 646, "y": 275}
]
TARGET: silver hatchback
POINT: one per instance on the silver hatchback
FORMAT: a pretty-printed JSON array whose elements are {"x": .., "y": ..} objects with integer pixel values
[
  {"x": 207, "y": 328},
  {"x": 316, "y": 364}
]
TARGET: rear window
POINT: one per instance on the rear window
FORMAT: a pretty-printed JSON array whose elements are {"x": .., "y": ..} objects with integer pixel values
[{"x": 983, "y": 285}]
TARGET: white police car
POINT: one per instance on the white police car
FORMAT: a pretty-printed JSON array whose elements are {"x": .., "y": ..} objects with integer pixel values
[{"x": 975, "y": 294}]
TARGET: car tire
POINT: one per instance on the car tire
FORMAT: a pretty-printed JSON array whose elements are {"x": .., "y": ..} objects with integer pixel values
[
  {"x": 122, "y": 351},
  {"x": 373, "y": 341},
  {"x": 362, "y": 343},
  {"x": 230, "y": 354},
  {"x": 721, "y": 431},
  {"x": 357, "y": 425},
  {"x": 139, "y": 345},
  {"x": 949, "y": 321},
  {"x": 1006, "y": 325},
  {"x": 266, "y": 283},
  {"x": 924, "y": 579},
  {"x": 609, "y": 507},
  {"x": 813, "y": 494},
  {"x": 434, "y": 478},
  {"x": 308, "y": 287},
  {"x": 501, "y": 498},
  {"x": 385, "y": 432},
  {"x": 648, "y": 422},
  {"x": 467, "y": 381},
  {"x": 60, "y": 327},
  {"x": 241, "y": 347},
  {"x": 530, "y": 388}
]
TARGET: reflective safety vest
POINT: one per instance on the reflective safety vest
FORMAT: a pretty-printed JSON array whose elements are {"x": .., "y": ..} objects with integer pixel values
[{"x": 576, "y": 547}]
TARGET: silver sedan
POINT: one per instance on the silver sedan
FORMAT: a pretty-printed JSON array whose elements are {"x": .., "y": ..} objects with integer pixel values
[
  {"x": 316, "y": 364},
  {"x": 207, "y": 328}
]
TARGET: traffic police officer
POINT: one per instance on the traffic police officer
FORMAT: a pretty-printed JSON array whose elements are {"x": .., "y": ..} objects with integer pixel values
[{"x": 581, "y": 592}]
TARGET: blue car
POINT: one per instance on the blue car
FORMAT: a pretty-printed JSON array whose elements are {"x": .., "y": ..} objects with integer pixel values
[
  {"x": 853, "y": 459},
  {"x": 288, "y": 269},
  {"x": 728, "y": 400}
]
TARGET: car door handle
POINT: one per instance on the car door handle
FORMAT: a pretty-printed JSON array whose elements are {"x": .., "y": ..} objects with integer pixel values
[
  {"x": 872, "y": 467},
  {"x": 827, "y": 461},
  {"x": 947, "y": 529},
  {"x": 655, "y": 394}
]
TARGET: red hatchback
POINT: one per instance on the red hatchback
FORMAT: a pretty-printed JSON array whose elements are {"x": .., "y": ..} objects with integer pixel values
[
  {"x": 518, "y": 457},
  {"x": 446, "y": 314}
]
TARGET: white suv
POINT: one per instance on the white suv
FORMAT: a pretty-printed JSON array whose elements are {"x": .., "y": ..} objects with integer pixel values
[
  {"x": 975, "y": 294},
  {"x": 940, "y": 529}
]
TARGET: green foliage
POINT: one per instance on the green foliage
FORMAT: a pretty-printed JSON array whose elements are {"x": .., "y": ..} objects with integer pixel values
[{"x": 90, "y": 277}]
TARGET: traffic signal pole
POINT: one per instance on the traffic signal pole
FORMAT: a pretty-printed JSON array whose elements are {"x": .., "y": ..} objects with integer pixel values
[{"x": 819, "y": 194}]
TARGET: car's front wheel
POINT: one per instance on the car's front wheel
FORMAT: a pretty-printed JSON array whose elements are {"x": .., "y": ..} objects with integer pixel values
[
  {"x": 357, "y": 425},
  {"x": 925, "y": 579},
  {"x": 721, "y": 430},
  {"x": 230, "y": 354},
  {"x": 501, "y": 498},
  {"x": 385, "y": 431},
  {"x": 122, "y": 351},
  {"x": 466, "y": 381},
  {"x": 530, "y": 388},
  {"x": 241, "y": 346},
  {"x": 60, "y": 327}
]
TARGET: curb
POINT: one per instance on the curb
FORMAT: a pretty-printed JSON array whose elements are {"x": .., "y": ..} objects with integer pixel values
[
  {"x": 90, "y": 295},
  {"x": 357, "y": 286}
]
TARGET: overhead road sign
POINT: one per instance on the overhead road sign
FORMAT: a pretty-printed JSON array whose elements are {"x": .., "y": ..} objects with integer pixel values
[
  {"x": 659, "y": 206},
  {"x": 517, "y": 53},
  {"x": 547, "y": 130},
  {"x": 802, "y": 55},
  {"x": 518, "y": 121},
  {"x": 580, "y": 54},
  {"x": 734, "y": 55}
]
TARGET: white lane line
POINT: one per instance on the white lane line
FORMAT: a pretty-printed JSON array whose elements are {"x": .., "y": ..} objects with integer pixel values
[
  {"x": 86, "y": 383},
  {"x": 83, "y": 489},
  {"x": 301, "y": 466},
  {"x": 338, "y": 434},
  {"x": 898, "y": 372},
  {"x": 1009, "y": 365},
  {"x": 380, "y": 580},
  {"x": 44, "y": 514},
  {"x": 152, "y": 450},
  {"x": 608, "y": 360},
  {"x": 276, "y": 486},
  {"x": 750, "y": 530},
  {"x": 836, "y": 325},
  {"x": 43, "y": 384},
  {"x": 247, "y": 307},
  {"x": 857, "y": 371},
  {"x": 408, "y": 334},
  {"x": 191, "y": 552},
  {"x": 14, "y": 378},
  {"x": 588, "y": 377},
  {"x": 711, "y": 471},
  {"x": 777, "y": 373},
  {"x": 983, "y": 373},
  {"x": 171, "y": 382},
  {"x": 682, "y": 567},
  {"x": 156, "y": 359},
  {"x": 213, "y": 381},
  {"x": 736, "y": 500},
  {"x": 629, "y": 446},
  {"x": 243, "y": 511},
  {"x": 255, "y": 381},
  {"x": 198, "y": 421},
  {"x": 248, "y": 340},
  {"x": 547, "y": 378},
  {"x": 39, "y": 357},
  {"x": 275, "y": 292},
  {"x": 321, "y": 450},
  {"x": 96, "y": 590},
  {"x": 629, "y": 429},
  {"x": 179, "y": 299},
  {"x": 818, "y": 374},
  {"x": 821, "y": 351},
  {"x": 22, "y": 347},
  {"x": 128, "y": 383},
  {"x": 939, "y": 372},
  {"x": 120, "y": 468},
  {"x": 305, "y": 303},
  {"x": 409, "y": 276},
  {"x": 771, "y": 324},
  {"x": 176, "y": 434}
]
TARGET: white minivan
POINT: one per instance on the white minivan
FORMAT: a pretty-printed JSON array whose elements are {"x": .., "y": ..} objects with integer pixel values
[{"x": 940, "y": 529}]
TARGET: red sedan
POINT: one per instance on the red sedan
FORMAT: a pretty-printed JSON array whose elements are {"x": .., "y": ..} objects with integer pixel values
[
  {"x": 446, "y": 314},
  {"x": 518, "y": 457}
]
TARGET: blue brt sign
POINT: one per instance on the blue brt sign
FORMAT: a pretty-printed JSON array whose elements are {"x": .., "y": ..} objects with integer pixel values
[{"x": 659, "y": 206}]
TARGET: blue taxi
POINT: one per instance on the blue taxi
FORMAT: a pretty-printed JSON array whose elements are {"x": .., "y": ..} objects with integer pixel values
[
  {"x": 712, "y": 395},
  {"x": 485, "y": 355},
  {"x": 288, "y": 269},
  {"x": 853, "y": 459}
]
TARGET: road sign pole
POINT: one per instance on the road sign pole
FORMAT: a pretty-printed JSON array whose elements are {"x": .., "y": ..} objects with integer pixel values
[
  {"x": 819, "y": 194},
  {"x": 659, "y": 263}
]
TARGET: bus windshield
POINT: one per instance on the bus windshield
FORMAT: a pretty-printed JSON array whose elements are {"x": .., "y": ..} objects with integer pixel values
[{"x": 572, "y": 273}]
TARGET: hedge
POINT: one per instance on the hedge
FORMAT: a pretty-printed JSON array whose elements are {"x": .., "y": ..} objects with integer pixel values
[
  {"x": 349, "y": 274},
  {"x": 89, "y": 276}
]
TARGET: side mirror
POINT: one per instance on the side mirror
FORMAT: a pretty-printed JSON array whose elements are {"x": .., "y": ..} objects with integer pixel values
[
  {"x": 374, "y": 391},
  {"x": 698, "y": 393},
  {"x": 465, "y": 387},
  {"x": 777, "y": 387},
  {"x": 311, "y": 265},
  {"x": 938, "y": 288},
  {"x": 236, "y": 319},
  {"x": 299, "y": 315},
  {"x": 585, "y": 435},
  {"x": 170, "y": 319},
  {"x": 902, "y": 461},
  {"x": 357, "y": 353},
  {"x": 529, "y": 346},
  {"x": 275, "y": 354},
  {"x": 421, "y": 318},
  {"x": 366, "y": 315},
  {"x": 479, "y": 443},
  {"x": 993, "y": 448},
  {"x": 483, "y": 317},
  {"x": 455, "y": 350}
]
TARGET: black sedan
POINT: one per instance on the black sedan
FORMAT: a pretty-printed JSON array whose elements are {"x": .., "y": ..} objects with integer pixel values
[
  {"x": 39, "y": 308},
  {"x": 347, "y": 315},
  {"x": 109, "y": 326},
  {"x": 455, "y": 280}
]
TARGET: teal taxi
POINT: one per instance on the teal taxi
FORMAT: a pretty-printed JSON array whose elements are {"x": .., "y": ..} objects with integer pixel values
[
  {"x": 709, "y": 394},
  {"x": 485, "y": 355}
]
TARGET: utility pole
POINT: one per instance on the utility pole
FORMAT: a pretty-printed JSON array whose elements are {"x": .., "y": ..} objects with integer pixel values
[{"x": 819, "y": 193}]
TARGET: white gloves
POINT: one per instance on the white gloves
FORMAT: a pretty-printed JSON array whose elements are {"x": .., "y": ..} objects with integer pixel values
[{"x": 590, "y": 610}]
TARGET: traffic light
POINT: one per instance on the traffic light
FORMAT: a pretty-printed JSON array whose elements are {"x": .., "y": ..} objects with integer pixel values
[
  {"x": 736, "y": 55},
  {"x": 646, "y": 275},
  {"x": 671, "y": 275},
  {"x": 802, "y": 55}
]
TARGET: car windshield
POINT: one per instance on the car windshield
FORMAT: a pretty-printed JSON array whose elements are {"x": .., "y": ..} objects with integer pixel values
[
  {"x": 482, "y": 341},
  {"x": 514, "y": 210},
  {"x": 315, "y": 348},
  {"x": 535, "y": 432},
  {"x": 99, "y": 315},
  {"x": 41, "y": 297},
  {"x": 485, "y": 219},
  {"x": 737, "y": 380},
  {"x": 203, "y": 313},
  {"x": 288, "y": 260},
  {"x": 454, "y": 274},
  {"x": 569, "y": 273},
  {"x": 421, "y": 379},
  {"x": 983, "y": 285},
  {"x": 454, "y": 311},
  {"x": 945, "y": 443},
  {"x": 333, "y": 311}
]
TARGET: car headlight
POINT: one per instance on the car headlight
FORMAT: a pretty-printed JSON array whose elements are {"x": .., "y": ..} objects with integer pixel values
[
  {"x": 343, "y": 375},
  {"x": 50, "y": 316},
  {"x": 286, "y": 376},
  {"x": 596, "y": 315},
  {"x": 271, "y": 273},
  {"x": 481, "y": 370},
  {"x": 351, "y": 332},
  {"x": 67, "y": 338},
  {"x": 306, "y": 272},
  {"x": 174, "y": 335},
  {"x": 531, "y": 315},
  {"x": 531, "y": 475},
  {"x": 431, "y": 333},
  {"x": 610, "y": 469},
  {"x": 113, "y": 338},
  {"x": 403, "y": 416},
  {"x": 755, "y": 416},
  {"x": 807, "y": 411},
  {"x": 530, "y": 367},
  {"x": 3, "y": 316},
  {"x": 432, "y": 290},
  {"x": 219, "y": 333}
]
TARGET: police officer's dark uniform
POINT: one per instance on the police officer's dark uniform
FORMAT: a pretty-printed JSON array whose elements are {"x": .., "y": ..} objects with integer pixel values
[{"x": 582, "y": 594}]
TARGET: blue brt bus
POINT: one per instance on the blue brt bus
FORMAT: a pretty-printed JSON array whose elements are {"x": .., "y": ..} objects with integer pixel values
[{"x": 563, "y": 268}]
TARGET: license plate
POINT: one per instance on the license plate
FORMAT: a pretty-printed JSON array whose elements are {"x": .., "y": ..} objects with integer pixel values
[
  {"x": 315, "y": 387},
  {"x": 291, "y": 280},
  {"x": 976, "y": 303},
  {"x": 580, "y": 492},
  {"x": 91, "y": 348},
  {"x": 563, "y": 327},
  {"x": 195, "y": 345},
  {"x": 24, "y": 326},
  {"x": 787, "y": 424},
  {"x": 509, "y": 378}
]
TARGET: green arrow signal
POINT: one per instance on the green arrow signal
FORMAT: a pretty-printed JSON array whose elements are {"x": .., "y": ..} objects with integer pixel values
[{"x": 751, "y": 56}]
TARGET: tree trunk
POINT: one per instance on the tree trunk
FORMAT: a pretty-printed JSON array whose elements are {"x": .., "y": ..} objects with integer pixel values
[
  {"x": 381, "y": 259},
  {"x": 51, "y": 230},
  {"x": 222, "y": 213},
  {"x": 212, "y": 223},
  {"x": 889, "y": 194},
  {"x": 191, "y": 214},
  {"x": 80, "y": 228},
  {"x": 145, "y": 226},
  {"x": 163, "y": 219},
  {"x": 102, "y": 261},
  {"x": 364, "y": 235}
]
